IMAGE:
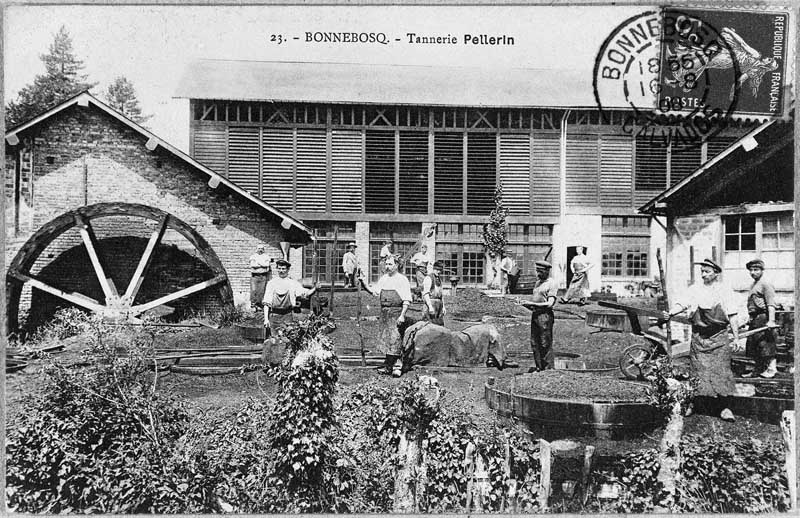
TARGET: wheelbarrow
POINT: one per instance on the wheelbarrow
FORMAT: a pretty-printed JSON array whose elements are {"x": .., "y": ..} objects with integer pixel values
[{"x": 635, "y": 357}]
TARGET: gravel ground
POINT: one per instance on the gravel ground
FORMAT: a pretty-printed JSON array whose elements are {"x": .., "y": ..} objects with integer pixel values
[{"x": 566, "y": 385}]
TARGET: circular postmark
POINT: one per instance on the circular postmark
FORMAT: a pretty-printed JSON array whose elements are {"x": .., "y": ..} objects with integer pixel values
[{"x": 673, "y": 73}]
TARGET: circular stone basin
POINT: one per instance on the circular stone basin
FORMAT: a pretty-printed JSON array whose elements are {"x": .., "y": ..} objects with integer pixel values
[{"x": 558, "y": 403}]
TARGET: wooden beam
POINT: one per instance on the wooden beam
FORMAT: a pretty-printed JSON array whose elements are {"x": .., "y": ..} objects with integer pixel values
[
  {"x": 12, "y": 139},
  {"x": 141, "y": 308},
  {"x": 90, "y": 240},
  {"x": 146, "y": 259},
  {"x": 73, "y": 297},
  {"x": 213, "y": 182},
  {"x": 152, "y": 144}
]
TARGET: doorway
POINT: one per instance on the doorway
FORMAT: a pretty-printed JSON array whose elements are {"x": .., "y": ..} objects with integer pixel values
[{"x": 571, "y": 253}]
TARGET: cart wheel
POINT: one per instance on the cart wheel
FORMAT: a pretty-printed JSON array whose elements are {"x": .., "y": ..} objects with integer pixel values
[{"x": 632, "y": 360}]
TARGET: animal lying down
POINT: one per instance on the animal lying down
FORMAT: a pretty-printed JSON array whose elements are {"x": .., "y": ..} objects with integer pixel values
[{"x": 430, "y": 344}]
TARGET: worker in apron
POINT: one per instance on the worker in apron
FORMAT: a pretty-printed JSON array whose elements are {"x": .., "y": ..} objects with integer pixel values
[
  {"x": 260, "y": 269},
  {"x": 711, "y": 307},
  {"x": 394, "y": 292},
  {"x": 432, "y": 296},
  {"x": 541, "y": 305},
  {"x": 280, "y": 297}
]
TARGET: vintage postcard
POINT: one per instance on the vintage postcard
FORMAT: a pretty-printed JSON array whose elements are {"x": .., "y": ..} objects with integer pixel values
[{"x": 395, "y": 258}]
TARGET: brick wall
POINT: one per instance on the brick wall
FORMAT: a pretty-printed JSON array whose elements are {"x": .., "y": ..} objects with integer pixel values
[{"x": 83, "y": 156}]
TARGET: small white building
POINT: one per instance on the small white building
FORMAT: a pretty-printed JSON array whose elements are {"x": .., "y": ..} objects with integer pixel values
[{"x": 736, "y": 207}]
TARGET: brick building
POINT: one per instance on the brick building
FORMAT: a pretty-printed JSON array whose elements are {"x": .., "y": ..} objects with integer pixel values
[
  {"x": 736, "y": 207},
  {"x": 377, "y": 151},
  {"x": 86, "y": 188}
]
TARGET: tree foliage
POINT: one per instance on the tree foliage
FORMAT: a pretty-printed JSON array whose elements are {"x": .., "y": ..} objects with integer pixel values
[
  {"x": 62, "y": 79},
  {"x": 121, "y": 96},
  {"x": 495, "y": 231}
]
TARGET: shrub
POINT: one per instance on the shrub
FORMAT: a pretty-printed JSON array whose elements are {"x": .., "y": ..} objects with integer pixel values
[{"x": 101, "y": 439}]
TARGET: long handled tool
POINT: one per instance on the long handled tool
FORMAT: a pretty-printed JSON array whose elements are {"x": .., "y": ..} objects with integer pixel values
[
  {"x": 668, "y": 345},
  {"x": 332, "y": 268}
]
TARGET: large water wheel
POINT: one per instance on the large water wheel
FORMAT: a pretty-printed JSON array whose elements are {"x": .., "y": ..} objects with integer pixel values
[{"x": 114, "y": 304}]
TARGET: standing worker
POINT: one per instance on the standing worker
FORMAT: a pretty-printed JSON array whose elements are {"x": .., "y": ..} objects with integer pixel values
[
  {"x": 510, "y": 271},
  {"x": 394, "y": 291},
  {"x": 386, "y": 251},
  {"x": 579, "y": 286},
  {"x": 350, "y": 266},
  {"x": 761, "y": 308},
  {"x": 542, "y": 318},
  {"x": 420, "y": 261},
  {"x": 711, "y": 308},
  {"x": 432, "y": 293},
  {"x": 260, "y": 273},
  {"x": 280, "y": 297}
]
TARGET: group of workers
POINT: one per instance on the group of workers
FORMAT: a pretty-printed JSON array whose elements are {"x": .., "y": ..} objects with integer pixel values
[{"x": 709, "y": 304}]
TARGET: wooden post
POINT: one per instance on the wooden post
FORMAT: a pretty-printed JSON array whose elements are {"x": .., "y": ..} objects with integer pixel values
[
  {"x": 332, "y": 267},
  {"x": 787, "y": 429},
  {"x": 469, "y": 466},
  {"x": 545, "y": 459},
  {"x": 315, "y": 309},
  {"x": 668, "y": 346},
  {"x": 588, "y": 458},
  {"x": 358, "y": 318}
]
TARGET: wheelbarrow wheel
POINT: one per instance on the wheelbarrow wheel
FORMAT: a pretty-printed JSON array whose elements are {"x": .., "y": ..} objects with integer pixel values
[{"x": 633, "y": 359}]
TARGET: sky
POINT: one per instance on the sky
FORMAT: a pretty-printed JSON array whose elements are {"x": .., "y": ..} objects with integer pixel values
[{"x": 151, "y": 45}]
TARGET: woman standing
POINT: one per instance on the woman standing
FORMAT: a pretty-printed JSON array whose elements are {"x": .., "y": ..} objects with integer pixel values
[
  {"x": 394, "y": 291},
  {"x": 711, "y": 307},
  {"x": 579, "y": 286}
]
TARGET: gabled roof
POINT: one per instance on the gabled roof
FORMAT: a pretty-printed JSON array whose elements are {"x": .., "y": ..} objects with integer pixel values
[
  {"x": 730, "y": 171},
  {"x": 348, "y": 83},
  {"x": 214, "y": 180}
]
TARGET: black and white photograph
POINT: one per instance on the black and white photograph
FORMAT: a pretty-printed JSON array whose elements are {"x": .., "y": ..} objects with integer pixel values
[{"x": 399, "y": 258}]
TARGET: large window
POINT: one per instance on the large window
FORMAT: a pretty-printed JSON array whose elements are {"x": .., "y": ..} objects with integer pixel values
[
  {"x": 528, "y": 244},
  {"x": 460, "y": 248},
  {"x": 740, "y": 233},
  {"x": 328, "y": 258},
  {"x": 769, "y": 236},
  {"x": 626, "y": 246}
]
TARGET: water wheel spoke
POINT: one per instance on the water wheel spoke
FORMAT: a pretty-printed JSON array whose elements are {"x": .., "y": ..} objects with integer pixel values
[
  {"x": 75, "y": 298},
  {"x": 141, "y": 308},
  {"x": 146, "y": 259},
  {"x": 92, "y": 248}
]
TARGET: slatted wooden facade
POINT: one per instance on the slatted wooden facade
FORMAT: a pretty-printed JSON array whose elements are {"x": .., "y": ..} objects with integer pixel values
[{"x": 419, "y": 161}]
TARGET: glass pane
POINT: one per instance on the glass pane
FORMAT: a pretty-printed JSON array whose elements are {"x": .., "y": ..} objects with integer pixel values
[
  {"x": 731, "y": 225},
  {"x": 787, "y": 222},
  {"x": 731, "y": 242},
  {"x": 748, "y": 224},
  {"x": 787, "y": 241},
  {"x": 770, "y": 242},
  {"x": 748, "y": 242},
  {"x": 770, "y": 224}
]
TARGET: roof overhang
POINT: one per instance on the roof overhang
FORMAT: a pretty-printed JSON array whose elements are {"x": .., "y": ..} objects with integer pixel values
[{"x": 85, "y": 99}]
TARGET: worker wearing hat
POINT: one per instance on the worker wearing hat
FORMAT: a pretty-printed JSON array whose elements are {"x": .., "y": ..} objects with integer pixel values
[
  {"x": 280, "y": 297},
  {"x": 350, "y": 266},
  {"x": 386, "y": 251},
  {"x": 260, "y": 272},
  {"x": 711, "y": 307},
  {"x": 432, "y": 295},
  {"x": 761, "y": 310},
  {"x": 542, "y": 318}
]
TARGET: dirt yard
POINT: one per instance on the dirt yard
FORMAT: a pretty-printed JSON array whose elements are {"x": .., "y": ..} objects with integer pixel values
[{"x": 571, "y": 335}]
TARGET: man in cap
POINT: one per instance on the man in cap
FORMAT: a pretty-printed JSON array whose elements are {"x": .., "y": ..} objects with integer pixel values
[
  {"x": 280, "y": 297},
  {"x": 260, "y": 272},
  {"x": 542, "y": 318},
  {"x": 432, "y": 295},
  {"x": 761, "y": 309},
  {"x": 711, "y": 307},
  {"x": 350, "y": 266}
]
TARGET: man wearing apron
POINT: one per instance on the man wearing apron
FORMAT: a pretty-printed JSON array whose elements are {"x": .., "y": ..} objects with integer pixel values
[
  {"x": 711, "y": 306},
  {"x": 280, "y": 297},
  {"x": 394, "y": 291},
  {"x": 542, "y": 318},
  {"x": 432, "y": 296},
  {"x": 761, "y": 308}
]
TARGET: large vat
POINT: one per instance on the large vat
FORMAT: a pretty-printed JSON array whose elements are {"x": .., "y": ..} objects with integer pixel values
[{"x": 558, "y": 418}]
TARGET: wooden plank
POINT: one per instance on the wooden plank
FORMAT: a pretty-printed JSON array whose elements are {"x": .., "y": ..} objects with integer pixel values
[
  {"x": 73, "y": 297},
  {"x": 146, "y": 259},
  {"x": 642, "y": 311},
  {"x": 141, "y": 308},
  {"x": 92, "y": 247},
  {"x": 545, "y": 459}
]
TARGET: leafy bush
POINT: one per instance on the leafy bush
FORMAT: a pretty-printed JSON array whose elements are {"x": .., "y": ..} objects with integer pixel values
[
  {"x": 102, "y": 439},
  {"x": 717, "y": 474}
]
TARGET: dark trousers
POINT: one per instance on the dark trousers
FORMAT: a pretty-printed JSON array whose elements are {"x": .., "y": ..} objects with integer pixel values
[
  {"x": 350, "y": 280},
  {"x": 258, "y": 283},
  {"x": 512, "y": 283},
  {"x": 761, "y": 346},
  {"x": 542, "y": 339}
]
